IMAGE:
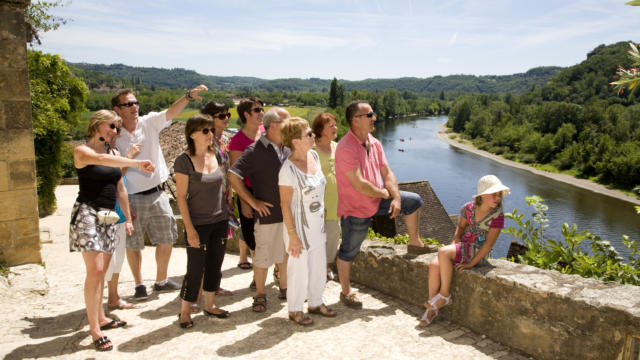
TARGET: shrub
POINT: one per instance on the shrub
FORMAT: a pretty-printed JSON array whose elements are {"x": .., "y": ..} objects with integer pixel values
[{"x": 398, "y": 239}]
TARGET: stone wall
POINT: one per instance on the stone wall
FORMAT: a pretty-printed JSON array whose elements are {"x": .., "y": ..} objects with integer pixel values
[
  {"x": 19, "y": 235},
  {"x": 546, "y": 314}
]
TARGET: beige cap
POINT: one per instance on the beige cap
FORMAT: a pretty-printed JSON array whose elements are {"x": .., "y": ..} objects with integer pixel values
[{"x": 490, "y": 184}]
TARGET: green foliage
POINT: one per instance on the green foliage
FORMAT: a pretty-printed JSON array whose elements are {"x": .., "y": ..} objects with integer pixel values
[
  {"x": 566, "y": 255},
  {"x": 399, "y": 239},
  {"x": 39, "y": 20},
  {"x": 57, "y": 101},
  {"x": 66, "y": 161}
]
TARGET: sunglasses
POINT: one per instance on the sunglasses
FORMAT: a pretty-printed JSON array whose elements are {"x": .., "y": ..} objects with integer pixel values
[
  {"x": 129, "y": 104},
  {"x": 223, "y": 116},
  {"x": 369, "y": 114},
  {"x": 206, "y": 131},
  {"x": 113, "y": 126},
  {"x": 258, "y": 110}
]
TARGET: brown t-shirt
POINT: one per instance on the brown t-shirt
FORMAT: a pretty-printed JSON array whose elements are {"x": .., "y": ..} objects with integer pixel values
[{"x": 205, "y": 194}]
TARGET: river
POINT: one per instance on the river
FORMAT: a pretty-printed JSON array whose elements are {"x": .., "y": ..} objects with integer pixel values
[{"x": 453, "y": 174}]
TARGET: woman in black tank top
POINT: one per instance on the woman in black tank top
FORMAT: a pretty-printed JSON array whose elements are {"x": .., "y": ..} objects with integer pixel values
[{"x": 100, "y": 179}]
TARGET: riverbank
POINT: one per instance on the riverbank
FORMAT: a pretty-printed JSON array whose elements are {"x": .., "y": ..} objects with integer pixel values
[{"x": 568, "y": 179}]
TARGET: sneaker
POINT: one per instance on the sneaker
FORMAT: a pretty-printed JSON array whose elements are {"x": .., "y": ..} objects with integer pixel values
[
  {"x": 141, "y": 292},
  {"x": 351, "y": 300},
  {"x": 169, "y": 286}
]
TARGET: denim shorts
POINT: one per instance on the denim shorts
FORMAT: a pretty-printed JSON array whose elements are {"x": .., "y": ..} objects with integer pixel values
[{"x": 354, "y": 229}]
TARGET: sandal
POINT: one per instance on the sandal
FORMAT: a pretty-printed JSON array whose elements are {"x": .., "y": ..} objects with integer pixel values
[
  {"x": 259, "y": 303},
  {"x": 323, "y": 310},
  {"x": 103, "y": 344},
  {"x": 245, "y": 265},
  {"x": 253, "y": 286},
  {"x": 113, "y": 324},
  {"x": 300, "y": 318},
  {"x": 121, "y": 305},
  {"x": 186, "y": 324},
  {"x": 426, "y": 319},
  {"x": 433, "y": 303},
  {"x": 222, "y": 315},
  {"x": 223, "y": 292}
]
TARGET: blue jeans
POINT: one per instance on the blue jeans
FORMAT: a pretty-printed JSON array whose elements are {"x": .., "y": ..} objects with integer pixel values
[{"x": 354, "y": 229}]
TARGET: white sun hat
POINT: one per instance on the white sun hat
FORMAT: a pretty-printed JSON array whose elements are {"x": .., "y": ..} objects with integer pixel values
[{"x": 490, "y": 184}]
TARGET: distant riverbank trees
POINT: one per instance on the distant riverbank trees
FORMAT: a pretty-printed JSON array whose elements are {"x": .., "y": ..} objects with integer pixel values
[{"x": 576, "y": 122}]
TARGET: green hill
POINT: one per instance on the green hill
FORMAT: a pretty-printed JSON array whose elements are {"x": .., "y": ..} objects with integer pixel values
[{"x": 118, "y": 75}]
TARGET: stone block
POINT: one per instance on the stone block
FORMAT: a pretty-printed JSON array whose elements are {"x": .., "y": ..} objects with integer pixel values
[
  {"x": 22, "y": 255},
  {"x": 17, "y": 114},
  {"x": 6, "y": 234},
  {"x": 23, "y": 228},
  {"x": 4, "y": 176},
  {"x": 2, "y": 120},
  {"x": 17, "y": 145},
  {"x": 31, "y": 240},
  {"x": 14, "y": 84},
  {"x": 18, "y": 204},
  {"x": 22, "y": 174},
  {"x": 12, "y": 49}
]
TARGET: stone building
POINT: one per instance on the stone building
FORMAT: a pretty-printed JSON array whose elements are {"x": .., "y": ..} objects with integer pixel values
[{"x": 19, "y": 235}]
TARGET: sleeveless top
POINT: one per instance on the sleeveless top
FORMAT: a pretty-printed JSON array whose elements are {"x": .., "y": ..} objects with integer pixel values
[{"x": 98, "y": 185}]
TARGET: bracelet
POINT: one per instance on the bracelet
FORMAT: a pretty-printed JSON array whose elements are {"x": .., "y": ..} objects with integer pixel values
[
  {"x": 291, "y": 230},
  {"x": 188, "y": 95}
]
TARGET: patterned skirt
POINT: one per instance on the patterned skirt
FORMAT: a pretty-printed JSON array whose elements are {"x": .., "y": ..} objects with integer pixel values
[{"x": 87, "y": 234}]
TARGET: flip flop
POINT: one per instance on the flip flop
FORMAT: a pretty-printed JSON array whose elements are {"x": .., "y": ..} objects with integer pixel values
[
  {"x": 245, "y": 265},
  {"x": 122, "y": 305},
  {"x": 223, "y": 292},
  {"x": 113, "y": 324}
]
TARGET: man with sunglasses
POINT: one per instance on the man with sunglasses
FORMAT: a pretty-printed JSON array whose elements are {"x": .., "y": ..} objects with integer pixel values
[
  {"x": 260, "y": 162},
  {"x": 366, "y": 187},
  {"x": 146, "y": 194}
]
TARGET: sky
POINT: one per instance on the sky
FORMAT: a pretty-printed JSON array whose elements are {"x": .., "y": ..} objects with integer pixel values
[{"x": 350, "y": 39}]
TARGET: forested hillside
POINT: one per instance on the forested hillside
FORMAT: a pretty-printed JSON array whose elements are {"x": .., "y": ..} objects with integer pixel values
[
  {"x": 97, "y": 76},
  {"x": 577, "y": 122}
]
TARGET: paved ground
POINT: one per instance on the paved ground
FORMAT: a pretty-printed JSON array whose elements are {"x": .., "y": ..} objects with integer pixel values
[{"x": 54, "y": 324}]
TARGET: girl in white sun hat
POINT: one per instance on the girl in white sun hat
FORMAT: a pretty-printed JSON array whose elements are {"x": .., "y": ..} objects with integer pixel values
[{"x": 480, "y": 224}]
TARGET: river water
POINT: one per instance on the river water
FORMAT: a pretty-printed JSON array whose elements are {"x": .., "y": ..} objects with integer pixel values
[{"x": 454, "y": 173}]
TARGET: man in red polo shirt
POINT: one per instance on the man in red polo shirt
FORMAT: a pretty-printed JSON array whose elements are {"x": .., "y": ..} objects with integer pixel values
[{"x": 366, "y": 187}]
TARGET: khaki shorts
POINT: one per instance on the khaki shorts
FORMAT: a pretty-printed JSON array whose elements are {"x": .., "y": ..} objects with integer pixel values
[{"x": 269, "y": 245}]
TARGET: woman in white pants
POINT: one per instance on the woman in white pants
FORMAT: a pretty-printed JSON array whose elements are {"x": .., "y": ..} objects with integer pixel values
[{"x": 302, "y": 184}]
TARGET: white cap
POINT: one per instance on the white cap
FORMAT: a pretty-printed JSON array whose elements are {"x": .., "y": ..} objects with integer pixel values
[{"x": 490, "y": 184}]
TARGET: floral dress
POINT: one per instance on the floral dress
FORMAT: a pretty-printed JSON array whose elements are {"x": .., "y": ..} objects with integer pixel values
[{"x": 475, "y": 233}]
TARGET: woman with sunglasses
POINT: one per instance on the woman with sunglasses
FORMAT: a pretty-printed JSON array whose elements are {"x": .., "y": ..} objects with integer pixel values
[
  {"x": 302, "y": 184},
  {"x": 200, "y": 193},
  {"x": 92, "y": 227},
  {"x": 250, "y": 111}
]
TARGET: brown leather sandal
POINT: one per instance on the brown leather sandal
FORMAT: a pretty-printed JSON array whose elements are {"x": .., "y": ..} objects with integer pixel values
[
  {"x": 323, "y": 310},
  {"x": 300, "y": 318},
  {"x": 259, "y": 303}
]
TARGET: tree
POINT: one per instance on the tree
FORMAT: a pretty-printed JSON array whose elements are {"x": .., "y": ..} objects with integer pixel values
[
  {"x": 39, "y": 19},
  {"x": 333, "y": 94},
  {"x": 57, "y": 100}
]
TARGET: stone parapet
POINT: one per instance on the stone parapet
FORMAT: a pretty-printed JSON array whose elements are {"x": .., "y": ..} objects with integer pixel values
[{"x": 544, "y": 313}]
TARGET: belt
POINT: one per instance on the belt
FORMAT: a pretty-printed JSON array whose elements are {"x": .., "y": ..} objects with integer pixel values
[{"x": 151, "y": 191}]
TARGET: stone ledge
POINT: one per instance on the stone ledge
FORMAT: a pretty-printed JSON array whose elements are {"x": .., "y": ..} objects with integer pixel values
[{"x": 546, "y": 314}]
